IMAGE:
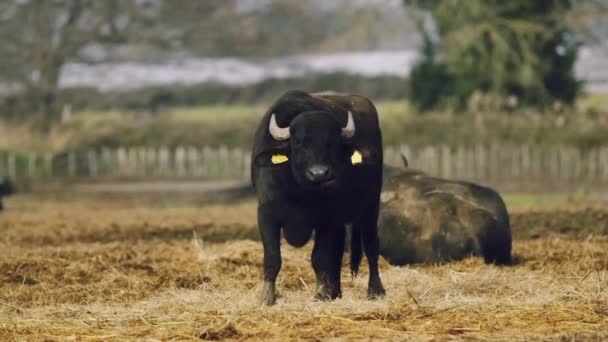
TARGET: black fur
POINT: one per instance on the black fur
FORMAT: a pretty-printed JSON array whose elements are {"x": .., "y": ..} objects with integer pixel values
[{"x": 289, "y": 202}]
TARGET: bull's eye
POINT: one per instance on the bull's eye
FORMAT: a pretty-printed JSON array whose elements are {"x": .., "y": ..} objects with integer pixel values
[
  {"x": 356, "y": 157},
  {"x": 278, "y": 159}
]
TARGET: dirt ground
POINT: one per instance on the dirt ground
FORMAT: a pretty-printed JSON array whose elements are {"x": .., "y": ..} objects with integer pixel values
[{"x": 126, "y": 268}]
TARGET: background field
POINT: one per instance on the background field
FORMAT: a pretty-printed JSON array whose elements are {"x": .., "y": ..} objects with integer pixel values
[
  {"x": 232, "y": 125},
  {"x": 166, "y": 266}
]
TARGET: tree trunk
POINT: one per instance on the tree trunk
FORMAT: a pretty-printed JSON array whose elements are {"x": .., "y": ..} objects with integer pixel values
[{"x": 45, "y": 94}]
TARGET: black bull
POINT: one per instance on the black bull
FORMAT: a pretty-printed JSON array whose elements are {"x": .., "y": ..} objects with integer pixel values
[{"x": 317, "y": 165}]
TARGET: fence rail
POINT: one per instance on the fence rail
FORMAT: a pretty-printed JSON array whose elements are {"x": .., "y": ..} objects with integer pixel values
[{"x": 493, "y": 164}]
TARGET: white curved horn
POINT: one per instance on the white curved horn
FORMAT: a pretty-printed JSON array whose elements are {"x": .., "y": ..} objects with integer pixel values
[
  {"x": 349, "y": 130},
  {"x": 277, "y": 132}
]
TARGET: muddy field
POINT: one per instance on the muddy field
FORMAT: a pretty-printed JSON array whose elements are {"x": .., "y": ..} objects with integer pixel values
[{"x": 119, "y": 268}]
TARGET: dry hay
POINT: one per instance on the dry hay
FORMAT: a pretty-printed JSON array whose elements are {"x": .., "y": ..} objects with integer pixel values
[{"x": 100, "y": 273}]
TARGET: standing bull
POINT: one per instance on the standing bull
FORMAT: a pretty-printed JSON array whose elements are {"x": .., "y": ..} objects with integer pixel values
[
  {"x": 428, "y": 219},
  {"x": 6, "y": 188},
  {"x": 317, "y": 165}
]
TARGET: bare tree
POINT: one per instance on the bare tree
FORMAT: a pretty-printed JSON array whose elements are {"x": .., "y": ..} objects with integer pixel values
[{"x": 38, "y": 37}]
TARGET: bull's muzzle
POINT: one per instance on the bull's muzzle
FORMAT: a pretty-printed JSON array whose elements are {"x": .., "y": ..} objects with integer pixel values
[{"x": 319, "y": 174}]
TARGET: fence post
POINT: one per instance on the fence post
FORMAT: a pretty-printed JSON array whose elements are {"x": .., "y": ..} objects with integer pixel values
[
  {"x": 604, "y": 164},
  {"x": 578, "y": 164},
  {"x": 142, "y": 161},
  {"x": 106, "y": 165},
  {"x": 121, "y": 159},
  {"x": 470, "y": 163},
  {"x": 194, "y": 164},
  {"x": 446, "y": 162},
  {"x": 207, "y": 161},
  {"x": 433, "y": 160},
  {"x": 132, "y": 161},
  {"x": 71, "y": 163},
  {"x": 180, "y": 161},
  {"x": 480, "y": 162},
  {"x": 563, "y": 164},
  {"x": 31, "y": 165},
  {"x": 515, "y": 163},
  {"x": 224, "y": 159},
  {"x": 525, "y": 161},
  {"x": 12, "y": 166},
  {"x": 150, "y": 165},
  {"x": 92, "y": 166},
  {"x": 592, "y": 159},
  {"x": 48, "y": 164},
  {"x": 247, "y": 166},
  {"x": 236, "y": 162},
  {"x": 460, "y": 163},
  {"x": 553, "y": 163},
  {"x": 163, "y": 161}
]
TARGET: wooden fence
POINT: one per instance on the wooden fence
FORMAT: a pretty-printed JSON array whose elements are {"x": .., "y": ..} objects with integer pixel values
[{"x": 492, "y": 164}]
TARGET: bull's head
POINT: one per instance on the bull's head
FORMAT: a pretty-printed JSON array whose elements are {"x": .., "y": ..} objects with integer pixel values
[{"x": 320, "y": 152}]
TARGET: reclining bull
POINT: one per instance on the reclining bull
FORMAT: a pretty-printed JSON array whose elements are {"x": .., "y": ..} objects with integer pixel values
[
  {"x": 317, "y": 165},
  {"x": 428, "y": 219}
]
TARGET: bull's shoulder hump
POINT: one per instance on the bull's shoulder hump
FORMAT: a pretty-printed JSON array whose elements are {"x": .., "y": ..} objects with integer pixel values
[
  {"x": 356, "y": 103},
  {"x": 328, "y": 93}
]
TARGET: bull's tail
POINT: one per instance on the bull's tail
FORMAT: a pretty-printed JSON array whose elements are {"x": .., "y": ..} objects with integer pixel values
[{"x": 356, "y": 250}]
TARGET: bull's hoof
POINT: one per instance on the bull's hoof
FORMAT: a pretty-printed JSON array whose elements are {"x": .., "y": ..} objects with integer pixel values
[
  {"x": 375, "y": 291},
  {"x": 268, "y": 297},
  {"x": 324, "y": 293}
]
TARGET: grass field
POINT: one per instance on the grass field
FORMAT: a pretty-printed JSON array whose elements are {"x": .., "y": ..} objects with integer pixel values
[
  {"x": 234, "y": 125},
  {"x": 160, "y": 268},
  {"x": 230, "y": 125}
]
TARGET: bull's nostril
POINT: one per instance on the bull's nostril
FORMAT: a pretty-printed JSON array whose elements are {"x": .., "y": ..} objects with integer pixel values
[{"x": 318, "y": 173}]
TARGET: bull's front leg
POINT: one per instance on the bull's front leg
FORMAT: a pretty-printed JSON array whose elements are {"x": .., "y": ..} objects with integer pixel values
[
  {"x": 368, "y": 226},
  {"x": 327, "y": 260},
  {"x": 270, "y": 232}
]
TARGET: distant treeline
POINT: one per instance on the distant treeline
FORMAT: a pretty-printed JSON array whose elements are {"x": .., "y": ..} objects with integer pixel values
[{"x": 156, "y": 98}]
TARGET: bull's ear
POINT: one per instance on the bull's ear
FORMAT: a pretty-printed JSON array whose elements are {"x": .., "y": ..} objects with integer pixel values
[
  {"x": 278, "y": 158},
  {"x": 271, "y": 158},
  {"x": 364, "y": 156},
  {"x": 356, "y": 158}
]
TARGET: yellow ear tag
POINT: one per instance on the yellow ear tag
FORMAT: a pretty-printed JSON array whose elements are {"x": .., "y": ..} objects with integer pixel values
[
  {"x": 356, "y": 158},
  {"x": 278, "y": 158}
]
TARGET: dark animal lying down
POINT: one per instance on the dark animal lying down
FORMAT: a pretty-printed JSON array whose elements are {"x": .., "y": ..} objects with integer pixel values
[
  {"x": 427, "y": 219},
  {"x": 6, "y": 188}
]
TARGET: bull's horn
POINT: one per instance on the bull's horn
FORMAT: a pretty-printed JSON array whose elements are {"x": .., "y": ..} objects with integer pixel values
[
  {"x": 277, "y": 132},
  {"x": 349, "y": 130}
]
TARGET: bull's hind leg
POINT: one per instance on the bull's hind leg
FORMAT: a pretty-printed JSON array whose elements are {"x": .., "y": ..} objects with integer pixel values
[
  {"x": 368, "y": 226},
  {"x": 327, "y": 261},
  {"x": 270, "y": 232}
]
